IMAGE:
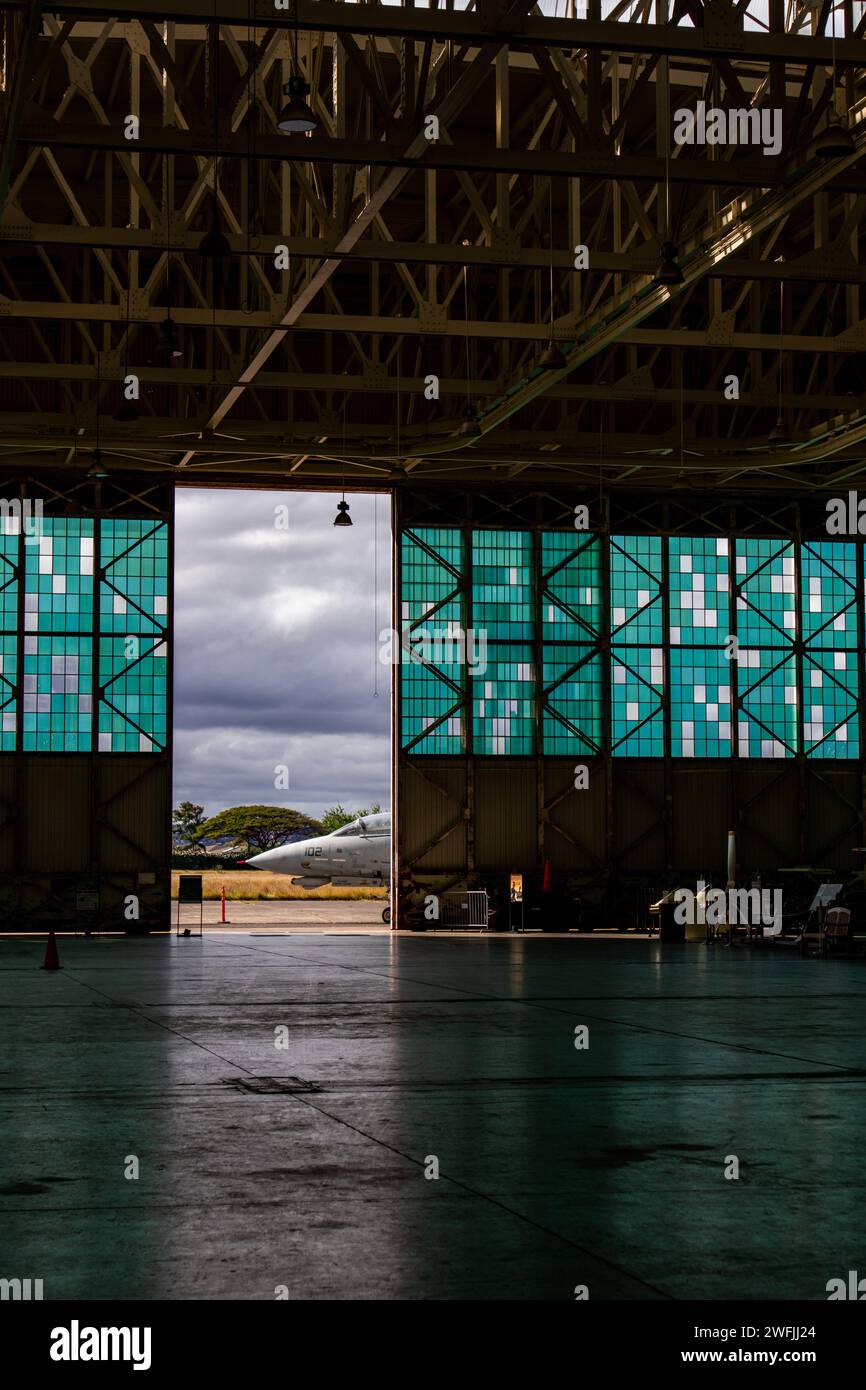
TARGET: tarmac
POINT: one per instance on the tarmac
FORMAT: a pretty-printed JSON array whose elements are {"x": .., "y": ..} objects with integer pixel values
[{"x": 354, "y": 1113}]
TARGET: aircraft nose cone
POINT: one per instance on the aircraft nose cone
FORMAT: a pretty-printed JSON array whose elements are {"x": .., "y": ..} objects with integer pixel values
[{"x": 263, "y": 860}]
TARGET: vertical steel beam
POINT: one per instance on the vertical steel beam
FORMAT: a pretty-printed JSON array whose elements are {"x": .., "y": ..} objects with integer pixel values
[
  {"x": 396, "y": 703},
  {"x": 32, "y": 25}
]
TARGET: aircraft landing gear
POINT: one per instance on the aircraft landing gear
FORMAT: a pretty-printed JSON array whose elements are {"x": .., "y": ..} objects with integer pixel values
[{"x": 386, "y": 915}]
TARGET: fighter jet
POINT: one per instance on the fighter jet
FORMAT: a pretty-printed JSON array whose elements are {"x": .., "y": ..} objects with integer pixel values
[{"x": 358, "y": 855}]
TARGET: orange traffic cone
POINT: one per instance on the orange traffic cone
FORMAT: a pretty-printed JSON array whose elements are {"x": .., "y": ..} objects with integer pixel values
[{"x": 52, "y": 960}]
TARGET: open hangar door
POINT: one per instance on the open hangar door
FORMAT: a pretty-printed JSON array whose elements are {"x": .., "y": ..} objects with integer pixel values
[
  {"x": 86, "y": 571},
  {"x": 593, "y": 727}
]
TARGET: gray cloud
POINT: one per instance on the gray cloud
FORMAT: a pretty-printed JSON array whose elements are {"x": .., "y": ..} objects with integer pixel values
[{"x": 276, "y": 653}]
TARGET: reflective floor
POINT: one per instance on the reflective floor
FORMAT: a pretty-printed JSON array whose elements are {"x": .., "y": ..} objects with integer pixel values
[{"x": 558, "y": 1166}]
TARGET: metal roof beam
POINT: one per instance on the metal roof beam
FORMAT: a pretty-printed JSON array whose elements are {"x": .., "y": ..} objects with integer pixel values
[{"x": 472, "y": 27}]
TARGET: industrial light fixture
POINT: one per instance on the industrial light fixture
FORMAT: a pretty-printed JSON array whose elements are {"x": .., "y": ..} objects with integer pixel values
[
  {"x": 470, "y": 429},
  {"x": 97, "y": 469},
  {"x": 342, "y": 518},
  {"x": 779, "y": 434},
  {"x": 167, "y": 344},
  {"x": 296, "y": 116},
  {"x": 834, "y": 141},
  {"x": 214, "y": 245},
  {"x": 668, "y": 272},
  {"x": 552, "y": 359}
]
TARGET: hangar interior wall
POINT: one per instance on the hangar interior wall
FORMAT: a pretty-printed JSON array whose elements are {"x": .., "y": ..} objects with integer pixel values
[
  {"x": 614, "y": 696},
  {"x": 85, "y": 704}
]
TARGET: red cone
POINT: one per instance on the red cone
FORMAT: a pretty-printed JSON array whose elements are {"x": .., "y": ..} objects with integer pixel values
[{"x": 52, "y": 960}]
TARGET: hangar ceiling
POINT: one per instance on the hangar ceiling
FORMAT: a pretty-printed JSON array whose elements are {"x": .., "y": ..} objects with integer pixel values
[{"x": 409, "y": 258}]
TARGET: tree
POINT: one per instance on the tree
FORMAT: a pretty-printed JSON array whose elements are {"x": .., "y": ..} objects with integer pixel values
[
  {"x": 257, "y": 828},
  {"x": 335, "y": 816},
  {"x": 186, "y": 822}
]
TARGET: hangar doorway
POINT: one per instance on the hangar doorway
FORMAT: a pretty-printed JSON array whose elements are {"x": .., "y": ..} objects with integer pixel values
[{"x": 282, "y": 689}]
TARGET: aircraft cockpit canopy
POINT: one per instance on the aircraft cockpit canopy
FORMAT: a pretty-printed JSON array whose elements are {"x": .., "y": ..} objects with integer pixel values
[{"x": 380, "y": 824}]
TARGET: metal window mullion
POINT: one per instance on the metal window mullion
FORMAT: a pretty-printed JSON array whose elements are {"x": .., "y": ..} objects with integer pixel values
[
  {"x": 606, "y": 660},
  {"x": 860, "y": 593},
  {"x": 799, "y": 664},
  {"x": 468, "y": 618},
  {"x": 22, "y": 583},
  {"x": 799, "y": 640},
  {"x": 538, "y": 695},
  {"x": 95, "y": 621}
]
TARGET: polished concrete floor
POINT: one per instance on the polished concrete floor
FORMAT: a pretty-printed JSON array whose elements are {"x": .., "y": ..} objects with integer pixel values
[{"x": 304, "y": 1167}]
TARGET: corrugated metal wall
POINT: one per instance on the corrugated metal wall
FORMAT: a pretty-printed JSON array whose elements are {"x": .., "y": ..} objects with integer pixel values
[{"x": 626, "y": 830}]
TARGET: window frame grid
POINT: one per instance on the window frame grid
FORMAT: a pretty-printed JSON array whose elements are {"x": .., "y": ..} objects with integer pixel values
[{"x": 793, "y": 649}]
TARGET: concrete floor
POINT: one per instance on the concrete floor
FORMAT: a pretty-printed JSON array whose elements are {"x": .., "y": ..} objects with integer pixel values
[{"x": 558, "y": 1167}]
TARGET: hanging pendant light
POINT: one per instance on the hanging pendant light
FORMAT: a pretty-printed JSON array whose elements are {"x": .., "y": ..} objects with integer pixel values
[
  {"x": 167, "y": 344},
  {"x": 470, "y": 428},
  {"x": 297, "y": 116},
  {"x": 552, "y": 359},
  {"x": 97, "y": 469},
  {"x": 214, "y": 245},
  {"x": 779, "y": 434},
  {"x": 834, "y": 141},
  {"x": 342, "y": 518},
  {"x": 668, "y": 272}
]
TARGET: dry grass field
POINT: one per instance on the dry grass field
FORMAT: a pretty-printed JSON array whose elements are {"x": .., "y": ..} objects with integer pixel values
[{"x": 253, "y": 886}]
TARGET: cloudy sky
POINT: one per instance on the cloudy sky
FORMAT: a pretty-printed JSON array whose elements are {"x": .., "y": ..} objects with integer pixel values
[{"x": 276, "y": 658}]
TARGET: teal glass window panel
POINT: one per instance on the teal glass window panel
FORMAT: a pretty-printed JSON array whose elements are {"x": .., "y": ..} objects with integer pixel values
[
  {"x": 432, "y": 565},
  {"x": 767, "y": 724},
  {"x": 635, "y": 589},
  {"x": 133, "y": 650},
  {"x": 503, "y": 701},
  {"x": 432, "y": 621},
  {"x": 429, "y": 703},
  {"x": 58, "y": 588},
  {"x": 699, "y": 579},
  {"x": 435, "y": 638},
  {"x": 133, "y": 596},
  {"x": 502, "y": 585},
  {"x": 831, "y": 687},
  {"x": 766, "y": 609},
  {"x": 8, "y": 692},
  {"x": 57, "y": 694},
  {"x": 637, "y": 685},
  {"x": 572, "y": 719},
  {"x": 9, "y": 546},
  {"x": 828, "y": 591},
  {"x": 571, "y": 605},
  {"x": 700, "y": 687},
  {"x": 133, "y": 710}
]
